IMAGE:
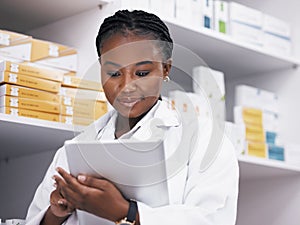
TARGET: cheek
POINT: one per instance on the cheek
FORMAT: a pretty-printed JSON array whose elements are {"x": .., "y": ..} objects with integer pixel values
[{"x": 150, "y": 86}]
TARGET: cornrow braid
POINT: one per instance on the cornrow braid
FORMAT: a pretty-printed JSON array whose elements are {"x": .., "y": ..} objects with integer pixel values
[{"x": 139, "y": 23}]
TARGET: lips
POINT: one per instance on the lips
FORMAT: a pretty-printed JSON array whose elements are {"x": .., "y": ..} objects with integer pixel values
[{"x": 129, "y": 101}]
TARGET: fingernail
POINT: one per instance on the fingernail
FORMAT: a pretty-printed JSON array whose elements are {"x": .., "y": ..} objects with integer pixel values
[
  {"x": 57, "y": 169},
  {"x": 81, "y": 178},
  {"x": 53, "y": 177},
  {"x": 55, "y": 185}
]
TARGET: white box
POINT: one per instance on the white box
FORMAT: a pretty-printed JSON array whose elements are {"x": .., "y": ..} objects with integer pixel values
[
  {"x": 196, "y": 16},
  {"x": 183, "y": 12},
  {"x": 207, "y": 13},
  {"x": 254, "y": 97},
  {"x": 243, "y": 14},
  {"x": 135, "y": 5},
  {"x": 163, "y": 9},
  {"x": 237, "y": 135},
  {"x": 221, "y": 16},
  {"x": 245, "y": 33},
  {"x": 210, "y": 84},
  {"x": 209, "y": 80},
  {"x": 276, "y": 26},
  {"x": 277, "y": 44}
]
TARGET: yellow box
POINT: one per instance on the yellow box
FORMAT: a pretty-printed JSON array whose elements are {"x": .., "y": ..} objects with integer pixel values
[
  {"x": 76, "y": 93},
  {"x": 30, "y": 114},
  {"x": 258, "y": 149},
  {"x": 92, "y": 112},
  {"x": 76, "y": 82},
  {"x": 28, "y": 81},
  {"x": 255, "y": 136},
  {"x": 44, "y": 52},
  {"x": 8, "y": 38},
  {"x": 21, "y": 68},
  {"x": 75, "y": 120},
  {"x": 69, "y": 101},
  {"x": 26, "y": 103},
  {"x": 23, "y": 92}
]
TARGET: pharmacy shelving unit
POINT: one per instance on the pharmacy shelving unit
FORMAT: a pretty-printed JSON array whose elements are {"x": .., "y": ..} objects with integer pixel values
[
  {"x": 252, "y": 168},
  {"x": 214, "y": 49},
  {"x": 269, "y": 190},
  {"x": 21, "y": 136},
  {"x": 265, "y": 185}
]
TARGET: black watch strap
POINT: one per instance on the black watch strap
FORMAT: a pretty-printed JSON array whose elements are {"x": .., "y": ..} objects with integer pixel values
[{"x": 132, "y": 211}]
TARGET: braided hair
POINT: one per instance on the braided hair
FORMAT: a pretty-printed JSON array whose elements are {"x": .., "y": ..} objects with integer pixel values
[{"x": 136, "y": 22}]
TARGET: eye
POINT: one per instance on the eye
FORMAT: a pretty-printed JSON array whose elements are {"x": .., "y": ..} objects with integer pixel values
[
  {"x": 142, "y": 73},
  {"x": 113, "y": 73}
]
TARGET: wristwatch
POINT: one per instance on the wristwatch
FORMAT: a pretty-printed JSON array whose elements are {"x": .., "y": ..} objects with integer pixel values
[{"x": 130, "y": 218}]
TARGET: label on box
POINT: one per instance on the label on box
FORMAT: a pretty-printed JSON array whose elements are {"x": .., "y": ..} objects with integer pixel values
[
  {"x": 67, "y": 100},
  {"x": 14, "y": 68},
  {"x": 14, "y": 102},
  {"x": 53, "y": 50},
  {"x": 14, "y": 91},
  {"x": 4, "y": 39},
  {"x": 68, "y": 80},
  {"x": 14, "y": 112},
  {"x": 69, "y": 110},
  {"x": 13, "y": 78}
]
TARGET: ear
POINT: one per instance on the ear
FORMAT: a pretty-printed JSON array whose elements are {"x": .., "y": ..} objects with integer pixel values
[{"x": 167, "y": 67}]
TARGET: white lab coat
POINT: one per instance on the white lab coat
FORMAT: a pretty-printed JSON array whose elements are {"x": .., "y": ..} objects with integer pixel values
[{"x": 205, "y": 197}]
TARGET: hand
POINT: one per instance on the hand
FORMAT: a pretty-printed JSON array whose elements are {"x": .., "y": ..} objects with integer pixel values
[
  {"x": 97, "y": 196},
  {"x": 60, "y": 207}
]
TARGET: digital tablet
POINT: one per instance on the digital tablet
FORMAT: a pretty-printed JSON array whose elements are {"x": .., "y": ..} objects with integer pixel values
[{"x": 137, "y": 168}]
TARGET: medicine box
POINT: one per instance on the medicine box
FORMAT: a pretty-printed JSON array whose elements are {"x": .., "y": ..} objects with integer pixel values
[
  {"x": 30, "y": 113},
  {"x": 24, "y": 69},
  {"x": 77, "y": 82},
  {"x": 221, "y": 17},
  {"x": 75, "y": 93},
  {"x": 31, "y": 104},
  {"x": 23, "y": 92},
  {"x": 28, "y": 81},
  {"x": 44, "y": 52}
]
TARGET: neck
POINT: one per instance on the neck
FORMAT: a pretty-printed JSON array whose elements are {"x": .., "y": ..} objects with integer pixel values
[{"x": 125, "y": 124}]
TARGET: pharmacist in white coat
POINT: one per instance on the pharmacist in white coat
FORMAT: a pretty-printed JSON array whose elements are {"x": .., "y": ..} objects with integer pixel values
[{"x": 203, "y": 179}]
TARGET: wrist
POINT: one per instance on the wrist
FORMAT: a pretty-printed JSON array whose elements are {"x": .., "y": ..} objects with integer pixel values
[{"x": 132, "y": 216}]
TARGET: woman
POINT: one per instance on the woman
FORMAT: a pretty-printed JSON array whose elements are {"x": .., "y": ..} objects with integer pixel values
[{"x": 135, "y": 50}]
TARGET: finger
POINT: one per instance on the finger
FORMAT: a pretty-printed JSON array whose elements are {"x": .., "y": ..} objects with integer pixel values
[
  {"x": 64, "y": 189},
  {"x": 98, "y": 183},
  {"x": 67, "y": 177}
]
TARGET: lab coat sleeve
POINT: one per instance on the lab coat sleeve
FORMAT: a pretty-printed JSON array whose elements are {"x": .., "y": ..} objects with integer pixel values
[
  {"x": 210, "y": 196},
  {"x": 41, "y": 200}
]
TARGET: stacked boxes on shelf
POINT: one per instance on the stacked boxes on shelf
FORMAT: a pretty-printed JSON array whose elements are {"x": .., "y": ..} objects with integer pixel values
[
  {"x": 276, "y": 36},
  {"x": 241, "y": 22},
  {"x": 221, "y": 17},
  {"x": 31, "y": 80},
  {"x": 82, "y": 101},
  {"x": 29, "y": 91},
  {"x": 39, "y": 51},
  {"x": 211, "y": 83},
  {"x": 245, "y": 23},
  {"x": 258, "y": 110}
]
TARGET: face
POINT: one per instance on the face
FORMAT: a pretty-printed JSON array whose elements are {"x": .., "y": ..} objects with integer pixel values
[{"x": 132, "y": 71}]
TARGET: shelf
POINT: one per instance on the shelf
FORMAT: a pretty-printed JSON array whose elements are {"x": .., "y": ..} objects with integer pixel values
[
  {"x": 259, "y": 168},
  {"x": 224, "y": 53},
  {"x": 21, "y": 136}
]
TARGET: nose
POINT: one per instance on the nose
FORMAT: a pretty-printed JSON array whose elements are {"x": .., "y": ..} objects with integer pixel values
[{"x": 128, "y": 83}]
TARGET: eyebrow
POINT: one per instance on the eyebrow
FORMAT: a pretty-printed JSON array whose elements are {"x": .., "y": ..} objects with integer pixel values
[{"x": 137, "y": 64}]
